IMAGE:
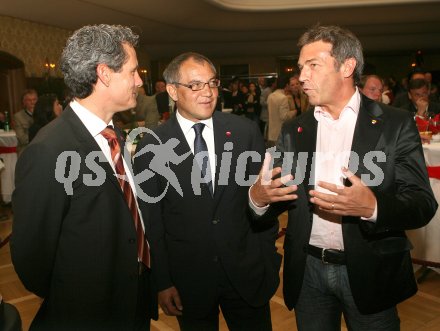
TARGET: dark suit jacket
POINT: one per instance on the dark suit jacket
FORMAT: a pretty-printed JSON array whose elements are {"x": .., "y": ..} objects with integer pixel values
[
  {"x": 433, "y": 107},
  {"x": 191, "y": 234},
  {"x": 77, "y": 251},
  {"x": 162, "y": 100},
  {"x": 378, "y": 258}
]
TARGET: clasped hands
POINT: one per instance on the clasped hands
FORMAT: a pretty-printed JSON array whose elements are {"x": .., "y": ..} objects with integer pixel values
[{"x": 356, "y": 200}]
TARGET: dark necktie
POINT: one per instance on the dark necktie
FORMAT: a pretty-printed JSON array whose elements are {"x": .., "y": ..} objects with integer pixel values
[
  {"x": 142, "y": 244},
  {"x": 200, "y": 146}
]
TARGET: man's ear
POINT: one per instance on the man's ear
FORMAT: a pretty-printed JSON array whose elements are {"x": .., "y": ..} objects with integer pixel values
[
  {"x": 172, "y": 91},
  {"x": 104, "y": 74},
  {"x": 409, "y": 96},
  {"x": 348, "y": 67}
]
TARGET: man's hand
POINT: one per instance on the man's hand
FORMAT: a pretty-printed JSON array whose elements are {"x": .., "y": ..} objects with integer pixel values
[
  {"x": 422, "y": 105},
  {"x": 267, "y": 190},
  {"x": 426, "y": 138},
  {"x": 357, "y": 200},
  {"x": 169, "y": 301}
]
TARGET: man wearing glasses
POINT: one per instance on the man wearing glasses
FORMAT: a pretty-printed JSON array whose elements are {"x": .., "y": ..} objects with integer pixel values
[{"x": 206, "y": 251}]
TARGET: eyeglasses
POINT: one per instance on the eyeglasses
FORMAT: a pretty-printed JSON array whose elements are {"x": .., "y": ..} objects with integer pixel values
[{"x": 198, "y": 86}]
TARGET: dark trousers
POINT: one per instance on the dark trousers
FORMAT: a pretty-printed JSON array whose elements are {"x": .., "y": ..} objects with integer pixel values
[
  {"x": 239, "y": 315},
  {"x": 143, "y": 307},
  {"x": 326, "y": 295}
]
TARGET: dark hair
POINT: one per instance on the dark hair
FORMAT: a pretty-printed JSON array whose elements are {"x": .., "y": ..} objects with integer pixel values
[
  {"x": 43, "y": 111},
  {"x": 90, "y": 46},
  {"x": 282, "y": 81},
  {"x": 415, "y": 84},
  {"x": 345, "y": 45},
  {"x": 172, "y": 71}
]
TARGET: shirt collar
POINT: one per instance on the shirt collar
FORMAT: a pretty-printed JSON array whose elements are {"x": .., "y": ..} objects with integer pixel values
[
  {"x": 93, "y": 123},
  {"x": 353, "y": 104},
  {"x": 186, "y": 125}
]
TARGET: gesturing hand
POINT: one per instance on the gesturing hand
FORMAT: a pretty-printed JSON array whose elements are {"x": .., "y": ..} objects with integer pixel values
[
  {"x": 357, "y": 200},
  {"x": 169, "y": 301},
  {"x": 267, "y": 189}
]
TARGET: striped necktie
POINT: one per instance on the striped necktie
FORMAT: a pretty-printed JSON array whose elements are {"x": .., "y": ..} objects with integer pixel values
[{"x": 115, "y": 149}]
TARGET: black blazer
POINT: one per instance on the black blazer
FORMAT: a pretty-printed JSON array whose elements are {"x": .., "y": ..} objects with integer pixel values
[
  {"x": 191, "y": 234},
  {"x": 78, "y": 251},
  {"x": 378, "y": 254}
]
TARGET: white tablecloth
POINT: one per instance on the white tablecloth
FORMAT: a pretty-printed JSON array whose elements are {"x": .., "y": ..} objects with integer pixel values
[
  {"x": 426, "y": 240},
  {"x": 7, "y": 175}
]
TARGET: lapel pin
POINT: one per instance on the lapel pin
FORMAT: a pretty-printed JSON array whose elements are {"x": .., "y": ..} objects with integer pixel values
[
  {"x": 300, "y": 129},
  {"x": 373, "y": 121},
  {"x": 228, "y": 133}
]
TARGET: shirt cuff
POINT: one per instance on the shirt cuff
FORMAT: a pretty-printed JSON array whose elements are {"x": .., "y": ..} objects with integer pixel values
[
  {"x": 257, "y": 210},
  {"x": 373, "y": 217}
]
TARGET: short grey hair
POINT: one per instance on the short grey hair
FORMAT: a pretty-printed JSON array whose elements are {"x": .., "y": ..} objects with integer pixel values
[
  {"x": 172, "y": 72},
  {"x": 90, "y": 46},
  {"x": 345, "y": 45}
]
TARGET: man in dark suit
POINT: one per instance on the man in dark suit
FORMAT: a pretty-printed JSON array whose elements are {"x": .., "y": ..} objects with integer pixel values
[
  {"x": 345, "y": 249},
  {"x": 206, "y": 251},
  {"x": 418, "y": 102},
  {"x": 75, "y": 241}
]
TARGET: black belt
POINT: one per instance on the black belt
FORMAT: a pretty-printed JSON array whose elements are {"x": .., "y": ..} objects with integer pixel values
[{"x": 333, "y": 256}]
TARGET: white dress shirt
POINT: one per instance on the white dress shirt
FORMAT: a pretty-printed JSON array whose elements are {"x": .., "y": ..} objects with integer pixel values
[
  {"x": 95, "y": 125},
  {"x": 333, "y": 147},
  {"x": 208, "y": 134}
]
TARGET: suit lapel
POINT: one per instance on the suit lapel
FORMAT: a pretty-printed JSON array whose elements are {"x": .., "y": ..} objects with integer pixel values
[
  {"x": 184, "y": 169},
  {"x": 368, "y": 130},
  {"x": 88, "y": 144},
  {"x": 305, "y": 140},
  {"x": 220, "y": 138}
]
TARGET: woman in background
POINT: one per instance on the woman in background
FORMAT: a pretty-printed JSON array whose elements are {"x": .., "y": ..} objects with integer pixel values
[{"x": 46, "y": 109}]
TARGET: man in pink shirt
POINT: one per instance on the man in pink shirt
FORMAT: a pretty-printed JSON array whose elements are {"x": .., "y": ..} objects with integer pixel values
[{"x": 356, "y": 183}]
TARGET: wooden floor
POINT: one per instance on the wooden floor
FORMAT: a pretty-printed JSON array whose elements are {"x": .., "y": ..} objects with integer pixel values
[{"x": 421, "y": 312}]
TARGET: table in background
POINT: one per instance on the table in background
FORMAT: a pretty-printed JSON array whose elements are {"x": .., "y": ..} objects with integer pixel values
[
  {"x": 426, "y": 240},
  {"x": 8, "y": 153}
]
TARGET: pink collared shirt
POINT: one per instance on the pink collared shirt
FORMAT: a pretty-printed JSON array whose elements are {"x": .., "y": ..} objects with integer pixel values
[{"x": 333, "y": 146}]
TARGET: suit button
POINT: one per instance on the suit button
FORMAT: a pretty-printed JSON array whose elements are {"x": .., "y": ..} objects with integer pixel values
[
  {"x": 215, "y": 259},
  {"x": 216, "y": 221},
  {"x": 131, "y": 240}
]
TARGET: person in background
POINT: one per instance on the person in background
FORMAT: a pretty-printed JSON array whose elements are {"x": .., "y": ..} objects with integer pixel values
[
  {"x": 402, "y": 98},
  {"x": 46, "y": 109},
  {"x": 418, "y": 99},
  {"x": 78, "y": 240},
  {"x": 372, "y": 87},
  {"x": 433, "y": 89},
  {"x": 345, "y": 250},
  {"x": 279, "y": 112},
  {"x": 159, "y": 86},
  {"x": 24, "y": 118},
  {"x": 252, "y": 103},
  {"x": 237, "y": 96},
  {"x": 264, "y": 115},
  {"x": 387, "y": 94},
  {"x": 206, "y": 252},
  {"x": 298, "y": 100},
  {"x": 146, "y": 111}
]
